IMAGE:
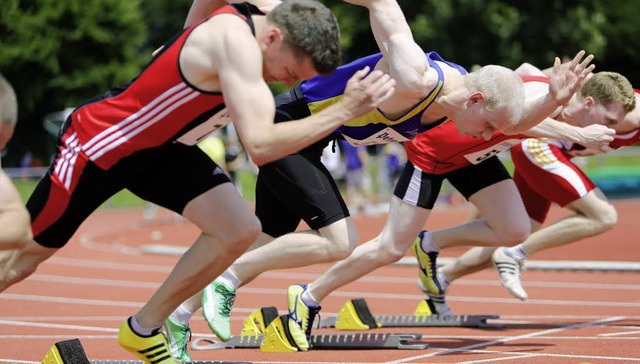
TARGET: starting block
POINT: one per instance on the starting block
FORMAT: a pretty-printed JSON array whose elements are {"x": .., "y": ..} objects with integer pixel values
[
  {"x": 67, "y": 352},
  {"x": 355, "y": 315},
  {"x": 72, "y": 352},
  {"x": 262, "y": 330},
  {"x": 359, "y": 341}
]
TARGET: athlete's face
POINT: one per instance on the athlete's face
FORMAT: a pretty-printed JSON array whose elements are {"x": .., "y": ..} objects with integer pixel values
[
  {"x": 481, "y": 123},
  {"x": 586, "y": 111},
  {"x": 631, "y": 121},
  {"x": 282, "y": 65}
]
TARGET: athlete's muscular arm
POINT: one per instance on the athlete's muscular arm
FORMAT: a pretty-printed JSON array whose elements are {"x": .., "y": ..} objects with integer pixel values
[
  {"x": 251, "y": 105},
  {"x": 406, "y": 61},
  {"x": 596, "y": 137},
  {"x": 563, "y": 83},
  {"x": 529, "y": 69},
  {"x": 14, "y": 218},
  {"x": 202, "y": 8}
]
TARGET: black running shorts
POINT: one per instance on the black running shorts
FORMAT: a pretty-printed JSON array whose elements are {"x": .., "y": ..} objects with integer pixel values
[
  {"x": 170, "y": 175},
  {"x": 419, "y": 188},
  {"x": 297, "y": 187}
]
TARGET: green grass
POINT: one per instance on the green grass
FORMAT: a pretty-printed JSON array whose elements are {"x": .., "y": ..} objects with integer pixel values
[
  {"x": 598, "y": 168},
  {"x": 125, "y": 198}
]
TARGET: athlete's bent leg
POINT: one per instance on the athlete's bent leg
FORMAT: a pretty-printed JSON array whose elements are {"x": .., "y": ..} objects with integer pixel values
[
  {"x": 403, "y": 225},
  {"x": 228, "y": 227}
]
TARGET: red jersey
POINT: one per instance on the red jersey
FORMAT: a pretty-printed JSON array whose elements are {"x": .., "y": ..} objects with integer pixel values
[
  {"x": 629, "y": 139},
  {"x": 442, "y": 149},
  {"x": 157, "y": 107}
]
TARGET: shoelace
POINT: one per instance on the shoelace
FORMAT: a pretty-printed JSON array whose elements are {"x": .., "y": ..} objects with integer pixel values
[
  {"x": 508, "y": 268},
  {"x": 313, "y": 312},
  {"x": 227, "y": 300}
]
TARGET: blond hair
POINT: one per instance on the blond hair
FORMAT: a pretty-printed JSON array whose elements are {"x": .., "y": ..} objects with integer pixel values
[
  {"x": 609, "y": 87},
  {"x": 502, "y": 89},
  {"x": 8, "y": 103}
]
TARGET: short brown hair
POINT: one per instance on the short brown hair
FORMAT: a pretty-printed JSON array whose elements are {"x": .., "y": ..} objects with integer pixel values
[
  {"x": 311, "y": 29},
  {"x": 609, "y": 87}
]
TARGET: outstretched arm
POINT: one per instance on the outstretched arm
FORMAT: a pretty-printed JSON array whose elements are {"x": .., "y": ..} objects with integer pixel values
[
  {"x": 201, "y": 8},
  {"x": 563, "y": 83},
  {"x": 594, "y": 137},
  {"x": 405, "y": 59},
  {"x": 240, "y": 74}
]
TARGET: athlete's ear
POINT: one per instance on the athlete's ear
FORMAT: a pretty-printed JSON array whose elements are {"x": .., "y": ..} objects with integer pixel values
[
  {"x": 475, "y": 98},
  {"x": 589, "y": 101},
  {"x": 274, "y": 35}
]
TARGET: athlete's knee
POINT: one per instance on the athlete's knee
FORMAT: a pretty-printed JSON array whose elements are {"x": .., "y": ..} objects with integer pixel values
[
  {"x": 339, "y": 241},
  {"x": 512, "y": 233},
  {"x": 607, "y": 218},
  {"x": 240, "y": 237},
  {"x": 337, "y": 247},
  {"x": 388, "y": 253}
]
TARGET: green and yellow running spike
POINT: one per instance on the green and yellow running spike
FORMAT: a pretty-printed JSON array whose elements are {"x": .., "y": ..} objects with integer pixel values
[{"x": 355, "y": 315}]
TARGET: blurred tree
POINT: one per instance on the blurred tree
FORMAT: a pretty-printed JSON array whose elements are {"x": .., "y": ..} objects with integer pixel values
[{"x": 60, "y": 53}]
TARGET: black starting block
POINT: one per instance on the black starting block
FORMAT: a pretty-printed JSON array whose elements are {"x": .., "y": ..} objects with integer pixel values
[
  {"x": 355, "y": 315},
  {"x": 72, "y": 352},
  {"x": 266, "y": 330}
]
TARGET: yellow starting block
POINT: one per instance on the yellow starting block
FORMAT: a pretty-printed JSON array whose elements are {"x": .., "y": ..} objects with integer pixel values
[
  {"x": 256, "y": 323},
  {"x": 277, "y": 338},
  {"x": 66, "y": 352},
  {"x": 273, "y": 329},
  {"x": 425, "y": 308},
  {"x": 355, "y": 315}
]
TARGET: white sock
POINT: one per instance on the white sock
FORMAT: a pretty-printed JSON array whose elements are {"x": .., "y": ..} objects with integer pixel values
[
  {"x": 181, "y": 315},
  {"x": 142, "y": 331},
  {"x": 308, "y": 299},
  {"x": 427, "y": 243},
  {"x": 230, "y": 279},
  {"x": 517, "y": 252},
  {"x": 444, "y": 282}
]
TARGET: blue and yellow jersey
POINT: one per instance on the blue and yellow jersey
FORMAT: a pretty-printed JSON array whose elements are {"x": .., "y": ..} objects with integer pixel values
[{"x": 374, "y": 127}]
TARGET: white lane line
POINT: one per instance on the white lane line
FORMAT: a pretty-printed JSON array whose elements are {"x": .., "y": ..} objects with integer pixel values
[
  {"x": 347, "y": 294},
  {"x": 620, "y": 333},
  {"x": 510, "y": 338},
  {"x": 97, "y": 264}
]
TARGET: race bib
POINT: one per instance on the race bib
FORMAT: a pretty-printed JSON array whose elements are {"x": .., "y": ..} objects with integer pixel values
[
  {"x": 384, "y": 136},
  {"x": 479, "y": 156},
  {"x": 195, "y": 135}
]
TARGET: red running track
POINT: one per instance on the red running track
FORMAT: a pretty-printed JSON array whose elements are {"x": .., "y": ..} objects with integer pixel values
[{"x": 100, "y": 278}]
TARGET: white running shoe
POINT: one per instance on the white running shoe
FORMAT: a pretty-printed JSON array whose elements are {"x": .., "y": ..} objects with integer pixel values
[{"x": 509, "y": 270}]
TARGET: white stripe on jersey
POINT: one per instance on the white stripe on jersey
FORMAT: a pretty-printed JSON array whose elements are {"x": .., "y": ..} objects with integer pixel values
[
  {"x": 147, "y": 116},
  {"x": 542, "y": 157},
  {"x": 64, "y": 166}
]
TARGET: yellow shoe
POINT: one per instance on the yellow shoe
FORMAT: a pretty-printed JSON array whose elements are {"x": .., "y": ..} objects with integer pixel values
[
  {"x": 151, "y": 350},
  {"x": 427, "y": 263},
  {"x": 301, "y": 316}
]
